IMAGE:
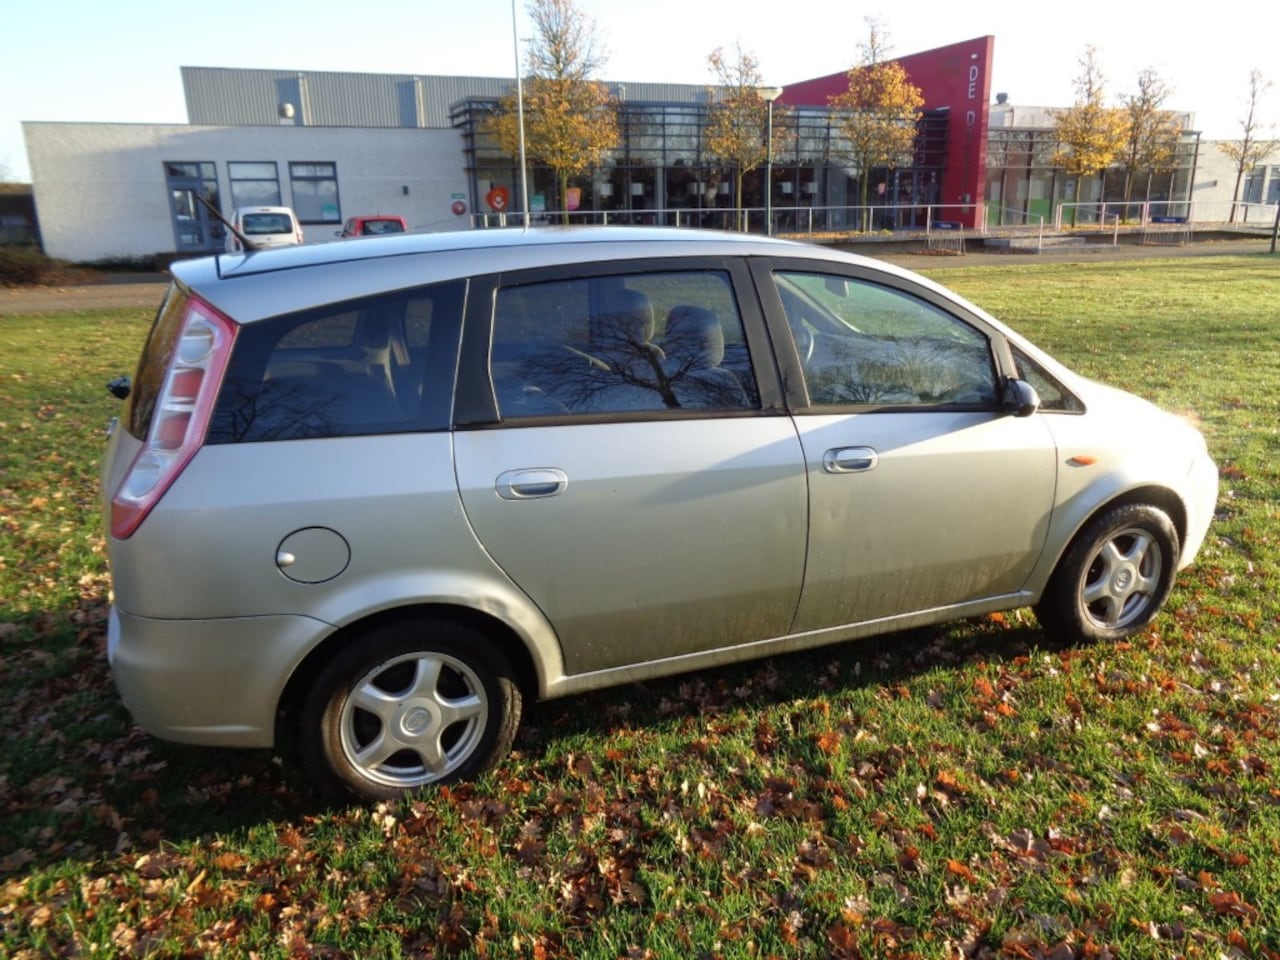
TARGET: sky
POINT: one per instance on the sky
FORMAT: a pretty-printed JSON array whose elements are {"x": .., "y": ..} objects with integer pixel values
[{"x": 96, "y": 61}]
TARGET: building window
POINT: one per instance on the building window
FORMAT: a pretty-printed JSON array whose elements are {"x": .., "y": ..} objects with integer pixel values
[
  {"x": 254, "y": 184},
  {"x": 315, "y": 192}
]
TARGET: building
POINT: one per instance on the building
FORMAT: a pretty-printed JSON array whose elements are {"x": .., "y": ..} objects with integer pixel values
[{"x": 334, "y": 145}]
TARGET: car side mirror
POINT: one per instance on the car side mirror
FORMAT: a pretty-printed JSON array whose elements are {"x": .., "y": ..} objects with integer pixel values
[{"x": 1020, "y": 398}]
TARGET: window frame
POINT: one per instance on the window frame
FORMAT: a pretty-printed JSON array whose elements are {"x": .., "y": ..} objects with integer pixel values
[
  {"x": 295, "y": 179},
  {"x": 789, "y": 361},
  {"x": 475, "y": 401},
  {"x": 439, "y": 365},
  {"x": 232, "y": 180}
]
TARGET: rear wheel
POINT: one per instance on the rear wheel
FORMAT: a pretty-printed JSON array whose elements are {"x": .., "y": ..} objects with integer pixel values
[
  {"x": 1114, "y": 578},
  {"x": 413, "y": 703}
]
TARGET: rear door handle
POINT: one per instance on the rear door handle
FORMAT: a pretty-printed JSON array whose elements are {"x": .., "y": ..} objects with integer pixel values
[
  {"x": 531, "y": 484},
  {"x": 850, "y": 460}
]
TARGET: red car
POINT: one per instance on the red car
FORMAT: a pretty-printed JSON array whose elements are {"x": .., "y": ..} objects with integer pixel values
[{"x": 373, "y": 226}]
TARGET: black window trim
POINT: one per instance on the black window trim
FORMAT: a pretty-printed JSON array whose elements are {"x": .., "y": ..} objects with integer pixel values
[
  {"x": 763, "y": 269},
  {"x": 475, "y": 402},
  {"x": 337, "y": 191},
  {"x": 440, "y": 369},
  {"x": 232, "y": 180}
]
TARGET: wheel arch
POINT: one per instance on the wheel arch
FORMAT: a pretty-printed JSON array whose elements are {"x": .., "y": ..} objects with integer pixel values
[
  {"x": 1152, "y": 494},
  {"x": 507, "y": 641},
  {"x": 1156, "y": 496}
]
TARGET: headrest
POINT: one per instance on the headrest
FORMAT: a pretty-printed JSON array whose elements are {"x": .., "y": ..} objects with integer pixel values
[{"x": 694, "y": 335}]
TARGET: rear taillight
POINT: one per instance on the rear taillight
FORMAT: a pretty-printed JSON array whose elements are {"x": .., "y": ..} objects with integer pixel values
[{"x": 181, "y": 416}]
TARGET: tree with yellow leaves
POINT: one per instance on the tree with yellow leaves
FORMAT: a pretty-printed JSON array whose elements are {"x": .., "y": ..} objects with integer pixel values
[
  {"x": 1090, "y": 134},
  {"x": 570, "y": 119},
  {"x": 879, "y": 112},
  {"x": 738, "y": 118},
  {"x": 1152, "y": 132}
]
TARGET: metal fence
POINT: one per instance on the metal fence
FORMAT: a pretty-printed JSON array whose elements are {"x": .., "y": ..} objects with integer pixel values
[
  {"x": 788, "y": 221},
  {"x": 1175, "y": 218}
]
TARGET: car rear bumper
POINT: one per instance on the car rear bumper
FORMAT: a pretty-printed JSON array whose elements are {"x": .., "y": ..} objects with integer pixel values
[{"x": 215, "y": 682}]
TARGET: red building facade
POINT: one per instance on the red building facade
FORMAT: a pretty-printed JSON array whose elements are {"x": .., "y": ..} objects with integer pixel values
[{"x": 955, "y": 79}]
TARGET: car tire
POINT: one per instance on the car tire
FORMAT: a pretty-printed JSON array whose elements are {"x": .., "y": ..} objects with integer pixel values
[
  {"x": 1114, "y": 578},
  {"x": 411, "y": 704}
]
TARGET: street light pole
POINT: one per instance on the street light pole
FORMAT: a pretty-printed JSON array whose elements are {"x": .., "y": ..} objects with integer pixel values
[
  {"x": 769, "y": 94},
  {"x": 1275, "y": 227}
]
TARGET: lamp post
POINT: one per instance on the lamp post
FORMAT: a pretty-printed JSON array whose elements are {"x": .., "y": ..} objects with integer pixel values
[{"x": 768, "y": 94}]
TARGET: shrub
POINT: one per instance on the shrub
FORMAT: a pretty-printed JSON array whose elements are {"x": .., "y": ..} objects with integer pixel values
[
  {"x": 138, "y": 264},
  {"x": 21, "y": 266}
]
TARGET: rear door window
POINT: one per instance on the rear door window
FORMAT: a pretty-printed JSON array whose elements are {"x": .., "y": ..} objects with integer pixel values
[
  {"x": 622, "y": 343},
  {"x": 379, "y": 365}
]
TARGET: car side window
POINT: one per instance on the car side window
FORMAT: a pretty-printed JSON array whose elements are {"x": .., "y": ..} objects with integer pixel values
[
  {"x": 620, "y": 344},
  {"x": 1053, "y": 395},
  {"x": 377, "y": 365},
  {"x": 861, "y": 343}
]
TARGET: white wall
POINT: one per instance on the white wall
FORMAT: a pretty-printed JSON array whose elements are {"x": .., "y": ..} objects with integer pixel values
[
  {"x": 1215, "y": 185},
  {"x": 100, "y": 188}
]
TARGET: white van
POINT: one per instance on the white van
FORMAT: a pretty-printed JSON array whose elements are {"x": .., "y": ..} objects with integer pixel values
[{"x": 264, "y": 227}]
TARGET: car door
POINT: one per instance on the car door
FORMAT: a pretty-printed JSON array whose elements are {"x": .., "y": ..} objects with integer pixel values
[
  {"x": 924, "y": 492},
  {"x": 625, "y": 457}
]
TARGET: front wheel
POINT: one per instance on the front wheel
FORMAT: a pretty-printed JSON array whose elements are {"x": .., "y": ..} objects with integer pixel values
[
  {"x": 1114, "y": 578},
  {"x": 411, "y": 704}
]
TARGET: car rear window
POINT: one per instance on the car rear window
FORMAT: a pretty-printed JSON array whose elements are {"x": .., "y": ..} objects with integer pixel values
[
  {"x": 383, "y": 226},
  {"x": 378, "y": 365},
  {"x": 259, "y": 224}
]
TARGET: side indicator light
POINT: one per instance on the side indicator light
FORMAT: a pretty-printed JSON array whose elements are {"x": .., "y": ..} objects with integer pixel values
[{"x": 1083, "y": 460}]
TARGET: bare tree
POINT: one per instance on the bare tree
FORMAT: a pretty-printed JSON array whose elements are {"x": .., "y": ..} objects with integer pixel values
[
  {"x": 1090, "y": 134},
  {"x": 737, "y": 121},
  {"x": 571, "y": 121},
  {"x": 879, "y": 111},
  {"x": 1152, "y": 134},
  {"x": 1252, "y": 148}
]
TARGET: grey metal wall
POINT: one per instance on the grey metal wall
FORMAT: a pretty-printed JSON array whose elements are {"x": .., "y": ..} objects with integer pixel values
[{"x": 223, "y": 96}]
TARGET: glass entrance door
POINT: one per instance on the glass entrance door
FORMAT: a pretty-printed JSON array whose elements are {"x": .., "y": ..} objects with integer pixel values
[{"x": 194, "y": 229}]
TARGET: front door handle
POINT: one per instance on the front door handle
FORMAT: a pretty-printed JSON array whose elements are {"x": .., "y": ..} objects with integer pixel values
[
  {"x": 531, "y": 484},
  {"x": 850, "y": 460}
]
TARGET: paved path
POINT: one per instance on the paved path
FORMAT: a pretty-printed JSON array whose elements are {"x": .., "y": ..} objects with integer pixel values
[{"x": 145, "y": 294}]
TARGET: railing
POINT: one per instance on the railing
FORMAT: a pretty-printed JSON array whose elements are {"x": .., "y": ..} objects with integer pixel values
[
  {"x": 889, "y": 221},
  {"x": 798, "y": 220},
  {"x": 1012, "y": 222}
]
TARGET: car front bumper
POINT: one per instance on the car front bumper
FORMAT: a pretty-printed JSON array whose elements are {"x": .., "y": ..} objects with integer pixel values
[{"x": 1201, "y": 502}]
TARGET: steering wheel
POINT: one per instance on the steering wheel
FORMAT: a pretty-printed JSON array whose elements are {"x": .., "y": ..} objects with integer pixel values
[{"x": 804, "y": 342}]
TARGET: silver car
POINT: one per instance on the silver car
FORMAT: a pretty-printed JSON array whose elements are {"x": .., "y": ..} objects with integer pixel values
[{"x": 369, "y": 497}]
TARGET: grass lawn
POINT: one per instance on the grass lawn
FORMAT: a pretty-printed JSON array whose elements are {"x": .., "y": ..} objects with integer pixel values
[{"x": 962, "y": 791}]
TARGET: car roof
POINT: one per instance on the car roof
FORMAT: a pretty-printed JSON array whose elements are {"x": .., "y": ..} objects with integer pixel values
[
  {"x": 689, "y": 241},
  {"x": 247, "y": 286}
]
